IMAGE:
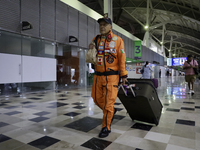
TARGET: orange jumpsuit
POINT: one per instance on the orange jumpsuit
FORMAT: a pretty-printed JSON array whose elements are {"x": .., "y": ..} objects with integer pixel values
[{"x": 110, "y": 58}]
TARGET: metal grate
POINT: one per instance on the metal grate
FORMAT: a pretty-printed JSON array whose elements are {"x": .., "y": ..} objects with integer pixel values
[
  {"x": 91, "y": 29},
  {"x": 47, "y": 19},
  {"x": 73, "y": 24},
  {"x": 61, "y": 22},
  {"x": 30, "y": 12},
  {"x": 10, "y": 15},
  {"x": 82, "y": 30}
]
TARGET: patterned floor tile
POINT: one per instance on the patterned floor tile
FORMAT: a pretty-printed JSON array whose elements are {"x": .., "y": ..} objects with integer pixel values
[
  {"x": 79, "y": 107},
  {"x": 12, "y": 107},
  {"x": 152, "y": 145},
  {"x": 118, "y": 117},
  {"x": 26, "y": 102},
  {"x": 13, "y": 113},
  {"x": 189, "y": 102},
  {"x": 72, "y": 124},
  {"x": 38, "y": 119},
  {"x": 171, "y": 109},
  {"x": 78, "y": 103},
  {"x": 62, "y": 99},
  {"x": 35, "y": 98},
  {"x": 119, "y": 109},
  {"x": 42, "y": 113},
  {"x": 96, "y": 144},
  {"x": 118, "y": 103},
  {"x": 166, "y": 104},
  {"x": 142, "y": 126},
  {"x": 10, "y": 144},
  {"x": 72, "y": 114},
  {"x": 4, "y": 138},
  {"x": 186, "y": 108},
  {"x": 43, "y": 142},
  {"x": 29, "y": 106},
  {"x": 2, "y": 124},
  {"x": 185, "y": 122},
  {"x": 85, "y": 124}
]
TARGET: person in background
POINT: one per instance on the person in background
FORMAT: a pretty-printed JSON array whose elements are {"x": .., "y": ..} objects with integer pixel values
[
  {"x": 147, "y": 71},
  {"x": 160, "y": 73},
  {"x": 189, "y": 72},
  {"x": 167, "y": 73}
]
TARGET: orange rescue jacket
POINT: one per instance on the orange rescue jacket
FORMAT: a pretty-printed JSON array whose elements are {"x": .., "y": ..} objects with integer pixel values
[{"x": 111, "y": 54}]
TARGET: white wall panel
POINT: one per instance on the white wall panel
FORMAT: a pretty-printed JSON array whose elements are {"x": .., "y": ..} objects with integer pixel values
[
  {"x": 48, "y": 69},
  {"x": 31, "y": 67},
  {"x": 38, "y": 69},
  {"x": 10, "y": 68}
]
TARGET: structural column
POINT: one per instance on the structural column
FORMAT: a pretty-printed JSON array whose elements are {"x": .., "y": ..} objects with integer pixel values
[
  {"x": 108, "y": 8},
  {"x": 170, "y": 52},
  {"x": 162, "y": 42},
  {"x": 147, "y": 26}
]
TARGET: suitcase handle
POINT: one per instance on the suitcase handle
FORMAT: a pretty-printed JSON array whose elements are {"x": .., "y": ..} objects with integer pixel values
[{"x": 129, "y": 86}]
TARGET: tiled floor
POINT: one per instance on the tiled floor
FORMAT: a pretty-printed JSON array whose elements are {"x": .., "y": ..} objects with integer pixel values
[{"x": 69, "y": 120}]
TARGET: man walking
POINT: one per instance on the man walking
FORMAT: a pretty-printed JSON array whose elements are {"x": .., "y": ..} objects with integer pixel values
[
  {"x": 110, "y": 60},
  {"x": 189, "y": 72}
]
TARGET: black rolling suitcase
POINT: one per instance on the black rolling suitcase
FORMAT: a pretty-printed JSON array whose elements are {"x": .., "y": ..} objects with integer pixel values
[{"x": 141, "y": 101}]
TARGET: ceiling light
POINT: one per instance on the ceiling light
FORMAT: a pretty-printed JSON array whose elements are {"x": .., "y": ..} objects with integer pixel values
[
  {"x": 146, "y": 27},
  {"x": 161, "y": 42}
]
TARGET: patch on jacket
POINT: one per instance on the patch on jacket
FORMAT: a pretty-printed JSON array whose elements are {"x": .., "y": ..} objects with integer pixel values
[
  {"x": 112, "y": 44},
  {"x": 114, "y": 38},
  {"x": 113, "y": 51},
  {"x": 122, "y": 51},
  {"x": 110, "y": 59}
]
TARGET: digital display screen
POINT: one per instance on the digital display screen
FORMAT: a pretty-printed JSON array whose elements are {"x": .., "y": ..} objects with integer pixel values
[
  {"x": 169, "y": 61},
  {"x": 178, "y": 61}
]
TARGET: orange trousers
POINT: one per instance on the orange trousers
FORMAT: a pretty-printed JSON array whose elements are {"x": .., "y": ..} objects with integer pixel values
[{"x": 104, "y": 94}]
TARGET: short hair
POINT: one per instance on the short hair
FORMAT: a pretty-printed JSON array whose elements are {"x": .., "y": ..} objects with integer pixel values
[{"x": 189, "y": 56}]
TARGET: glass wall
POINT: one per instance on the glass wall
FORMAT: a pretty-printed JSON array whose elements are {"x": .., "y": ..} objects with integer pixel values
[
  {"x": 23, "y": 63},
  {"x": 29, "y": 64},
  {"x": 71, "y": 66}
]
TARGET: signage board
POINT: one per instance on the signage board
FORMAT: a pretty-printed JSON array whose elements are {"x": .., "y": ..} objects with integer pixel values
[{"x": 179, "y": 61}]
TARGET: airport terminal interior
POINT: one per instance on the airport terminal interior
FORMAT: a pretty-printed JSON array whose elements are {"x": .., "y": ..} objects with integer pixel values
[{"x": 46, "y": 84}]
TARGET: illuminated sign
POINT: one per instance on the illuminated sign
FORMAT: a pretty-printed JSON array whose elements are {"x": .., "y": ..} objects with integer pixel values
[
  {"x": 178, "y": 61},
  {"x": 169, "y": 61}
]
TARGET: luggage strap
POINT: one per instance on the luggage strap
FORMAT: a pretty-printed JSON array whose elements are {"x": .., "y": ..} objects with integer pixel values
[{"x": 107, "y": 73}]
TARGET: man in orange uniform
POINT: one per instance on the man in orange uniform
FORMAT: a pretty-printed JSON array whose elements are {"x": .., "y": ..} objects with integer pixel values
[{"x": 110, "y": 60}]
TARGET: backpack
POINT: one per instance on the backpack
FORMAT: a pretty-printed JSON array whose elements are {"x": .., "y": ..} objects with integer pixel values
[{"x": 142, "y": 70}]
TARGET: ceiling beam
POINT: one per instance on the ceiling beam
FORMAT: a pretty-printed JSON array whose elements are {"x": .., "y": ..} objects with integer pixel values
[
  {"x": 101, "y": 4},
  {"x": 185, "y": 44},
  {"x": 118, "y": 16},
  {"x": 171, "y": 10},
  {"x": 179, "y": 30},
  {"x": 159, "y": 41},
  {"x": 165, "y": 22},
  {"x": 190, "y": 51},
  {"x": 133, "y": 17}
]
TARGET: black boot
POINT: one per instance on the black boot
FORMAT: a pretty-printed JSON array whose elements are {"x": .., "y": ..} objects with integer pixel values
[{"x": 104, "y": 132}]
